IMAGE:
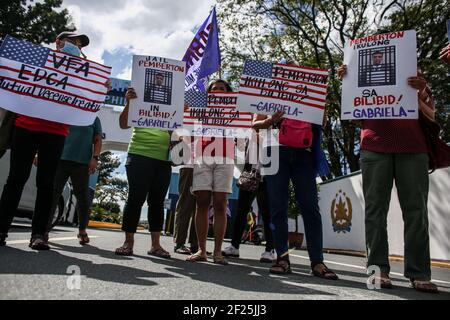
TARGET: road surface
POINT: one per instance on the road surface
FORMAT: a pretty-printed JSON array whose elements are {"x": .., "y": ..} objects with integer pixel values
[{"x": 27, "y": 274}]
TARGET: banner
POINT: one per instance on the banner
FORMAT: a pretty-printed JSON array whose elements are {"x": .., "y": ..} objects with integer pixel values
[
  {"x": 51, "y": 85},
  {"x": 448, "y": 29},
  {"x": 215, "y": 115},
  {"x": 116, "y": 95},
  {"x": 159, "y": 85},
  {"x": 203, "y": 55},
  {"x": 300, "y": 92},
  {"x": 376, "y": 85}
]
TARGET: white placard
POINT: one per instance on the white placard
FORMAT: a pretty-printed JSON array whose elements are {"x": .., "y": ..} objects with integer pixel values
[
  {"x": 300, "y": 92},
  {"x": 376, "y": 84},
  {"x": 159, "y": 85}
]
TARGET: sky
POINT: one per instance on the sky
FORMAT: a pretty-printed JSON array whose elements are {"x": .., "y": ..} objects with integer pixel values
[{"x": 119, "y": 29}]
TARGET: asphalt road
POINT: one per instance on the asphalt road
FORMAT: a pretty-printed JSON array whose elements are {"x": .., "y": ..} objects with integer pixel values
[{"x": 27, "y": 274}]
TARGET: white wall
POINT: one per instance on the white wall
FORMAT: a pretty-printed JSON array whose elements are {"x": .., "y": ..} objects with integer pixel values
[
  {"x": 115, "y": 138},
  {"x": 438, "y": 212}
]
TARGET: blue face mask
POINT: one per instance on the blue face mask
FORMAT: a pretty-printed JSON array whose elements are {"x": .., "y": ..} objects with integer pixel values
[{"x": 72, "y": 49}]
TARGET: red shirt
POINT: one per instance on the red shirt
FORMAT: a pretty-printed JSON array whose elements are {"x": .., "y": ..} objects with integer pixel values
[
  {"x": 41, "y": 125},
  {"x": 393, "y": 136}
]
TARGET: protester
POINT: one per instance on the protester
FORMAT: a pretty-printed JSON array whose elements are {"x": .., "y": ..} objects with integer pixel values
[
  {"x": 212, "y": 183},
  {"x": 148, "y": 172},
  {"x": 31, "y": 137},
  {"x": 78, "y": 161},
  {"x": 444, "y": 55},
  {"x": 396, "y": 150},
  {"x": 301, "y": 165},
  {"x": 185, "y": 214},
  {"x": 245, "y": 201}
]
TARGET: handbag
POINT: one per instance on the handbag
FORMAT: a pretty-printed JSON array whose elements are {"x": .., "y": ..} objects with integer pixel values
[
  {"x": 249, "y": 180},
  {"x": 296, "y": 134},
  {"x": 438, "y": 150}
]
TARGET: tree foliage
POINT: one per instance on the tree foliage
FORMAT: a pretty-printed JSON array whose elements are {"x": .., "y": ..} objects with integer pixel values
[
  {"x": 110, "y": 190},
  {"x": 314, "y": 33},
  {"x": 38, "y": 22}
]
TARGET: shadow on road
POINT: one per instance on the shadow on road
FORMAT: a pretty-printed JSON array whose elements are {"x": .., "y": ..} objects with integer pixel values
[{"x": 54, "y": 263}]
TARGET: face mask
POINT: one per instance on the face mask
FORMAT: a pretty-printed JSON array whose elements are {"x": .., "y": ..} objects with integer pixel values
[{"x": 72, "y": 49}]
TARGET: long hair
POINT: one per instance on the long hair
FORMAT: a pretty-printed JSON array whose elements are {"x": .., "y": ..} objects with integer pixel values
[{"x": 213, "y": 82}]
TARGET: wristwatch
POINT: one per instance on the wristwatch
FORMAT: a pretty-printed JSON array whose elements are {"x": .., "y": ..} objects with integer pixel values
[{"x": 96, "y": 158}]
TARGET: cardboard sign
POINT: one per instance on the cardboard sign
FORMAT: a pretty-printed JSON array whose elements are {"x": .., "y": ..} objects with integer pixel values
[
  {"x": 215, "y": 115},
  {"x": 300, "y": 92},
  {"x": 376, "y": 84},
  {"x": 116, "y": 95},
  {"x": 159, "y": 85},
  {"x": 43, "y": 83}
]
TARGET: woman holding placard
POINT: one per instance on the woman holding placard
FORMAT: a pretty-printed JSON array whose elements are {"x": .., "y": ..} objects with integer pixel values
[
  {"x": 391, "y": 150},
  {"x": 212, "y": 182},
  {"x": 301, "y": 160},
  {"x": 148, "y": 173}
]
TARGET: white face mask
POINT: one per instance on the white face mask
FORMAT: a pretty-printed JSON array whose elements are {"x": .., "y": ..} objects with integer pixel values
[{"x": 72, "y": 49}]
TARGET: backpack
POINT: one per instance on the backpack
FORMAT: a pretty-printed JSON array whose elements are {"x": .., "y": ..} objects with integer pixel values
[{"x": 296, "y": 134}]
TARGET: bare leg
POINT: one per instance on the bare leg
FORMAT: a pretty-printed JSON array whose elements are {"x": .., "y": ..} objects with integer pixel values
[
  {"x": 201, "y": 219},
  {"x": 220, "y": 221}
]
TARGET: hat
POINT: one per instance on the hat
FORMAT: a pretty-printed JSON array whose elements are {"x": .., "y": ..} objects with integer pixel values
[{"x": 66, "y": 34}]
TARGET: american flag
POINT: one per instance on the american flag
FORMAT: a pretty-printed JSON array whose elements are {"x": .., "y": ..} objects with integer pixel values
[
  {"x": 215, "y": 111},
  {"x": 302, "y": 86},
  {"x": 196, "y": 99},
  {"x": 21, "y": 60}
]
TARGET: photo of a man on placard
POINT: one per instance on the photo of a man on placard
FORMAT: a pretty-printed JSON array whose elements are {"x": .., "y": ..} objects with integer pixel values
[
  {"x": 158, "y": 86},
  {"x": 377, "y": 67}
]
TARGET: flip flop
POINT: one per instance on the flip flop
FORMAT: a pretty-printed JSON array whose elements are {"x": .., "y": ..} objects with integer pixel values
[
  {"x": 124, "y": 251},
  {"x": 161, "y": 253},
  {"x": 424, "y": 286},
  {"x": 220, "y": 260},
  {"x": 196, "y": 257}
]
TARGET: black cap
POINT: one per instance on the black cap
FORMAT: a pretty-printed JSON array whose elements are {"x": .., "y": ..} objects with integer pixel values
[{"x": 83, "y": 38}]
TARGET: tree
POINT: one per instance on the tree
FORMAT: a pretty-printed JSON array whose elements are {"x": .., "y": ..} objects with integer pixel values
[
  {"x": 37, "y": 22},
  {"x": 314, "y": 33},
  {"x": 110, "y": 190}
]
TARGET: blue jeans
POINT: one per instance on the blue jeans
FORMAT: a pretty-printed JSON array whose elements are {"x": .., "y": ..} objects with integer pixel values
[{"x": 295, "y": 165}]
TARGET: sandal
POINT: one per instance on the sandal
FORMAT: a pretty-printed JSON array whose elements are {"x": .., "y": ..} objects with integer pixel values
[
  {"x": 424, "y": 286},
  {"x": 385, "y": 282},
  {"x": 84, "y": 239},
  {"x": 281, "y": 267},
  {"x": 197, "y": 257},
  {"x": 220, "y": 260},
  {"x": 161, "y": 253},
  {"x": 124, "y": 251},
  {"x": 325, "y": 273}
]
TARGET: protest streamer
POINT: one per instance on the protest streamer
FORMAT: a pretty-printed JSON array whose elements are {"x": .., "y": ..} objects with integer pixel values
[
  {"x": 203, "y": 55},
  {"x": 376, "y": 84},
  {"x": 159, "y": 85},
  {"x": 215, "y": 115},
  {"x": 43, "y": 83},
  {"x": 300, "y": 92},
  {"x": 116, "y": 94}
]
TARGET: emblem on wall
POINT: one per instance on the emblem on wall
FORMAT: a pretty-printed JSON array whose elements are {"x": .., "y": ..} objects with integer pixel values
[{"x": 341, "y": 213}]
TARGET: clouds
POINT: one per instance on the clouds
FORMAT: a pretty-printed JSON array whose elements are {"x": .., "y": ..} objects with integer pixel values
[{"x": 119, "y": 29}]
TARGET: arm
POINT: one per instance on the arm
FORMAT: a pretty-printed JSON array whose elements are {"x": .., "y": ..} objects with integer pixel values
[
  {"x": 261, "y": 121},
  {"x": 123, "y": 119},
  {"x": 426, "y": 102},
  {"x": 96, "y": 153}
]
